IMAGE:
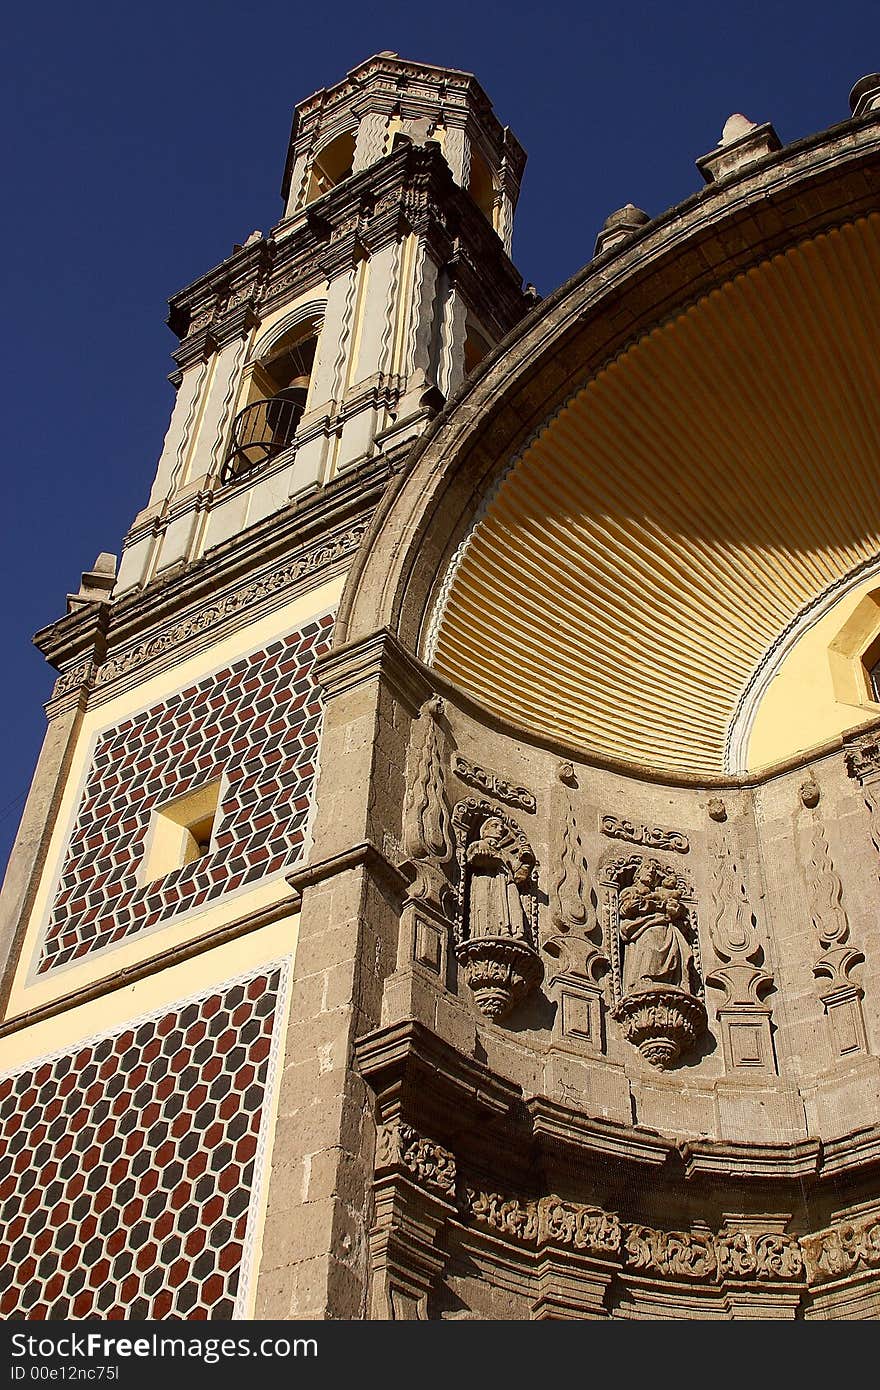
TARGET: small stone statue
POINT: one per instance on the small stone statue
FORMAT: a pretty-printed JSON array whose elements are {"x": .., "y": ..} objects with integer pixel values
[
  {"x": 501, "y": 868},
  {"x": 651, "y": 913}
]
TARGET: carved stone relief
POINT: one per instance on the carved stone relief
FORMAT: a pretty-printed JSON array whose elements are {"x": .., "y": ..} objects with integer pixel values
[
  {"x": 655, "y": 957},
  {"x": 742, "y": 1013},
  {"x": 651, "y": 836},
  {"x": 841, "y": 996},
  {"x": 493, "y": 783},
  {"x": 427, "y": 819},
  {"x": 575, "y": 933},
  {"x": 496, "y": 924}
]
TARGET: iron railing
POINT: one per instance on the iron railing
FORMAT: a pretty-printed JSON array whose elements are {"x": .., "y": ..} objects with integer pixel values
[{"x": 261, "y": 431}]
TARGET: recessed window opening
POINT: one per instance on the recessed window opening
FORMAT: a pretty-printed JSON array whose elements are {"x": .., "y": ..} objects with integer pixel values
[
  {"x": 277, "y": 396},
  {"x": 330, "y": 166},
  {"x": 481, "y": 186},
  {"x": 182, "y": 831}
]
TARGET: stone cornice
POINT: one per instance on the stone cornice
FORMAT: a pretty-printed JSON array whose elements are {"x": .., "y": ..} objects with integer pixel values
[
  {"x": 411, "y": 189},
  {"x": 714, "y": 1159},
  {"x": 408, "y": 1064},
  {"x": 365, "y": 855},
  {"x": 272, "y": 556},
  {"x": 380, "y": 656},
  {"x": 563, "y": 1130},
  {"x": 421, "y": 1080}
]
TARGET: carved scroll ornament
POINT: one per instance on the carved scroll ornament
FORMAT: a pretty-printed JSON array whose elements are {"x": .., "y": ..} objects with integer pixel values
[
  {"x": 699, "y": 1256},
  {"x": 651, "y": 836},
  {"x": 496, "y": 925},
  {"x": 493, "y": 783}
]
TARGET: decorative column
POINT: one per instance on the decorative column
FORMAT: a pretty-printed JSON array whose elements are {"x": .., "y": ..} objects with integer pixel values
[
  {"x": 841, "y": 996},
  {"x": 743, "y": 1016},
  {"x": 578, "y": 964}
]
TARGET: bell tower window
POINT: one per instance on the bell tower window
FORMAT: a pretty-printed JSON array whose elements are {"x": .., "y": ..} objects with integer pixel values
[
  {"x": 277, "y": 396},
  {"x": 331, "y": 166}
]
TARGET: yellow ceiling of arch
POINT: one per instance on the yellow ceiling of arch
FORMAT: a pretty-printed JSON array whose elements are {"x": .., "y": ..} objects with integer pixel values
[{"x": 674, "y": 517}]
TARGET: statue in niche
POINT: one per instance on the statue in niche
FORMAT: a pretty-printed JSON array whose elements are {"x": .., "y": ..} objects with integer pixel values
[
  {"x": 497, "y": 908},
  {"x": 652, "y": 915},
  {"x": 500, "y": 868},
  {"x": 657, "y": 977}
]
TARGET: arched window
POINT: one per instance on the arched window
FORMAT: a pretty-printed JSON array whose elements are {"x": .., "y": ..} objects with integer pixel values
[
  {"x": 277, "y": 396},
  {"x": 330, "y": 166},
  {"x": 481, "y": 186}
]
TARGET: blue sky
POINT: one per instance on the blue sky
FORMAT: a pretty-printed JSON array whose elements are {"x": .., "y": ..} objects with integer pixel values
[{"x": 143, "y": 141}]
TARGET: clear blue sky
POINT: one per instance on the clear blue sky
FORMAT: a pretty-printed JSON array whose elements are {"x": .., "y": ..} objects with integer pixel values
[{"x": 144, "y": 140}]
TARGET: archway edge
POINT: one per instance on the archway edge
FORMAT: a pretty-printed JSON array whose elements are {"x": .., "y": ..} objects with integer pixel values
[{"x": 609, "y": 304}]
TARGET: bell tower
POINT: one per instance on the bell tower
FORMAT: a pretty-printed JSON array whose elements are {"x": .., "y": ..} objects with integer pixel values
[
  {"x": 152, "y": 939},
  {"x": 331, "y": 341}
]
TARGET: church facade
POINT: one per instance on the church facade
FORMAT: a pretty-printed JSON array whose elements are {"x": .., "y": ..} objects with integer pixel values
[{"x": 449, "y": 885}]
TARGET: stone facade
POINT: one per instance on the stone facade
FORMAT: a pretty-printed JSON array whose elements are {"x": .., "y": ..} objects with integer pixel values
[{"x": 475, "y": 989}]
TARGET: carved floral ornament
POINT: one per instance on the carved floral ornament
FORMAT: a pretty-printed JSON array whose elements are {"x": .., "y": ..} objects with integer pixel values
[
  {"x": 651, "y": 836},
  {"x": 697, "y": 1255}
]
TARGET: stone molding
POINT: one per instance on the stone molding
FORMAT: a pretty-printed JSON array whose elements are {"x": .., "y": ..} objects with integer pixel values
[
  {"x": 204, "y": 620},
  {"x": 699, "y": 1255},
  {"x": 696, "y": 1255}
]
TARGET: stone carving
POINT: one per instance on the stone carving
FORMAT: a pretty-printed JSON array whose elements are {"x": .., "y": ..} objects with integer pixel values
[
  {"x": 400, "y": 1146},
  {"x": 585, "y": 1228},
  {"x": 243, "y": 599},
  {"x": 651, "y": 836},
  {"x": 654, "y": 950},
  {"x": 492, "y": 783},
  {"x": 693, "y": 1255},
  {"x": 839, "y": 1251},
  {"x": 78, "y": 676},
  {"x": 578, "y": 965},
  {"x": 496, "y": 927},
  {"x": 674, "y": 1254},
  {"x": 810, "y": 792},
  {"x": 841, "y": 996},
  {"x": 427, "y": 819},
  {"x": 863, "y": 759},
  {"x": 570, "y": 906},
  {"x": 745, "y": 1019},
  {"x": 717, "y": 809},
  {"x": 505, "y": 1214}
]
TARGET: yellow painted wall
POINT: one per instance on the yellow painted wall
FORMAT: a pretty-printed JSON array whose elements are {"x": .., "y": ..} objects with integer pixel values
[{"x": 820, "y": 689}]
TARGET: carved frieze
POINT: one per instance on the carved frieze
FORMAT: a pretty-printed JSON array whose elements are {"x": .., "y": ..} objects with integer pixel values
[
  {"x": 651, "y": 836},
  {"x": 400, "y": 1146},
  {"x": 493, "y": 783},
  {"x": 79, "y": 675},
  {"x": 698, "y": 1255},
  {"x": 238, "y": 601},
  {"x": 843, "y": 1249}
]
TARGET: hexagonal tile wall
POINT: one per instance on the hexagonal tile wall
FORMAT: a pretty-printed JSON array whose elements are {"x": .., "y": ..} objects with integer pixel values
[
  {"x": 257, "y": 724},
  {"x": 130, "y": 1166}
]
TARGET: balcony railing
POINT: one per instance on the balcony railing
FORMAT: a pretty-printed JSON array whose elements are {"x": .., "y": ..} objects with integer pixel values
[{"x": 262, "y": 430}]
